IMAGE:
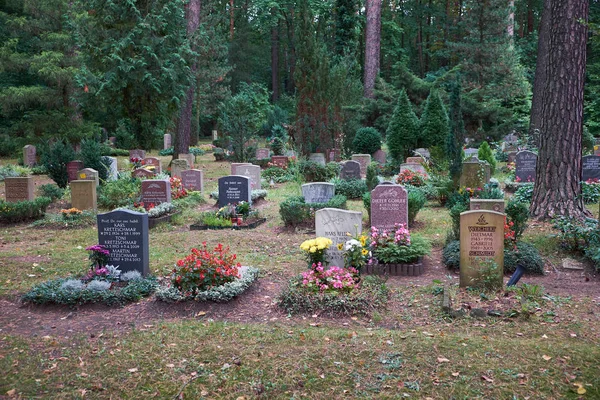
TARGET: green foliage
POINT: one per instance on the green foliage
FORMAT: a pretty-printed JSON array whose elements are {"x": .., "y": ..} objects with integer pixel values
[
  {"x": 91, "y": 155},
  {"x": 416, "y": 201},
  {"x": 455, "y": 212},
  {"x": 400, "y": 254},
  {"x": 485, "y": 153},
  {"x": 456, "y": 135},
  {"x": 587, "y": 141},
  {"x": 402, "y": 132},
  {"x": 518, "y": 214},
  {"x": 576, "y": 235},
  {"x": 241, "y": 117},
  {"x": 451, "y": 255},
  {"x": 55, "y": 292},
  {"x": 367, "y": 203},
  {"x": 55, "y": 160},
  {"x": 8, "y": 146},
  {"x": 524, "y": 193},
  {"x": 279, "y": 139},
  {"x": 590, "y": 191},
  {"x": 209, "y": 218},
  {"x": 23, "y": 210},
  {"x": 119, "y": 193},
  {"x": 366, "y": 141},
  {"x": 434, "y": 124},
  {"x": 52, "y": 191},
  {"x": 372, "y": 295},
  {"x": 294, "y": 211},
  {"x": 314, "y": 172},
  {"x": 372, "y": 178},
  {"x": 279, "y": 175},
  {"x": 10, "y": 171},
  {"x": 351, "y": 188}
]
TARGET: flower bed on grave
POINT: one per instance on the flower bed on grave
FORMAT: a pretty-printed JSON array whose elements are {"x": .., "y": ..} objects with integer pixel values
[
  {"x": 236, "y": 216},
  {"x": 207, "y": 275},
  {"x": 334, "y": 290},
  {"x": 70, "y": 218},
  {"x": 101, "y": 284}
]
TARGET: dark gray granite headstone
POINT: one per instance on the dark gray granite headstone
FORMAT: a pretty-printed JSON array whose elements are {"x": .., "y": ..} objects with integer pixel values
[
  {"x": 590, "y": 168},
  {"x": 125, "y": 234},
  {"x": 350, "y": 170},
  {"x": 525, "y": 163},
  {"x": 318, "y": 192},
  {"x": 234, "y": 189}
]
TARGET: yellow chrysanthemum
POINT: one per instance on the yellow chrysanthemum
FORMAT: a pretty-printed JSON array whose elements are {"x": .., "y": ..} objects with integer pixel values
[{"x": 313, "y": 249}]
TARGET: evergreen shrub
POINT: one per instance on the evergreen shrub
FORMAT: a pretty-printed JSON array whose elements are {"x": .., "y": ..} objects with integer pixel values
[
  {"x": 351, "y": 188},
  {"x": 372, "y": 178},
  {"x": 52, "y": 191},
  {"x": 314, "y": 172},
  {"x": 55, "y": 160},
  {"x": 23, "y": 210},
  {"x": 294, "y": 211},
  {"x": 91, "y": 155},
  {"x": 366, "y": 141},
  {"x": 485, "y": 153},
  {"x": 119, "y": 193}
]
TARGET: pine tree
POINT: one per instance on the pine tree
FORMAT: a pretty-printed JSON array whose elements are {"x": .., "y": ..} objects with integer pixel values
[
  {"x": 485, "y": 153},
  {"x": 402, "y": 131},
  {"x": 346, "y": 23},
  {"x": 456, "y": 135},
  {"x": 434, "y": 122}
]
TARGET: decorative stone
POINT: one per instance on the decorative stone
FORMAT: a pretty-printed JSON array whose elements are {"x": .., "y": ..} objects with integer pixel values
[
  {"x": 153, "y": 162},
  {"x": 318, "y": 192},
  {"x": 318, "y": 158},
  {"x": 156, "y": 191},
  {"x": 88, "y": 174},
  {"x": 389, "y": 206},
  {"x": 177, "y": 166},
  {"x": 137, "y": 153},
  {"x": 111, "y": 167},
  {"x": 481, "y": 245},
  {"x": 19, "y": 188},
  {"x": 190, "y": 158},
  {"x": 192, "y": 179},
  {"x": 335, "y": 224},
  {"x": 125, "y": 234},
  {"x": 590, "y": 168},
  {"x": 234, "y": 189},
  {"x": 364, "y": 160},
  {"x": 350, "y": 170},
  {"x": 167, "y": 140},
  {"x": 250, "y": 171},
  {"x": 29, "y": 156},
  {"x": 83, "y": 195},
  {"x": 73, "y": 167},
  {"x": 142, "y": 173},
  {"x": 525, "y": 164},
  {"x": 485, "y": 204},
  {"x": 280, "y": 161},
  {"x": 380, "y": 157},
  {"x": 262, "y": 153}
]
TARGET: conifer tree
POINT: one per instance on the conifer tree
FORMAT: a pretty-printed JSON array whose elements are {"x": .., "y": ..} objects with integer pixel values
[
  {"x": 456, "y": 135},
  {"x": 434, "y": 126},
  {"x": 485, "y": 154},
  {"x": 402, "y": 131}
]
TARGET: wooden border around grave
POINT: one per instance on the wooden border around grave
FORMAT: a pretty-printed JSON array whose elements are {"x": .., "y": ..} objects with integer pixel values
[
  {"x": 404, "y": 269},
  {"x": 252, "y": 225}
]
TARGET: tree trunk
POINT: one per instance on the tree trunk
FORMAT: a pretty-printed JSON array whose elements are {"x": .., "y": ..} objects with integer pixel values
[
  {"x": 557, "y": 189},
  {"x": 275, "y": 61},
  {"x": 184, "y": 124},
  {"x": 530, "y": 21},
  {"x": 372, "y": 46}
]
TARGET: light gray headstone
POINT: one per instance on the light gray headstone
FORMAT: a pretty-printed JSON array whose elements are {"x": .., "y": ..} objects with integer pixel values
[
  {"x": 177, "y": 166},
  {"x": 29, "y": 155},
  {"x": 192, "y": 179},
  {"x": 88, "y": 174},
  {"x": 113, "y": 172},
  {"x": 335, "y": 224},
  {"x": 166, "y": 141},
  {"x": 318, "y": 192},
  {"x": 250, "y": 171},
  {"x": 318, "y": 158}
]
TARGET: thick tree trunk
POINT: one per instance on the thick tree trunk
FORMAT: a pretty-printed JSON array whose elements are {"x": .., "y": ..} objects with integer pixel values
[
  {"x": 184, "y": 124},
  {"x": 539, "y": 81},
  {"x": 557, "y": 188},
  {"x": 372, "y": 46},
  {"x": 530, "y": 22},
  {"x": 275, "y": 62}
]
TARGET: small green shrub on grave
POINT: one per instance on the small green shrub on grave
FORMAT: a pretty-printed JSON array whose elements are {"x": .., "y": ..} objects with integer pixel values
[
  {"x": 52, "y": 191},
  {"x": 91, "y": 155},
  {"x": 485, "y": 153},
  {"x": 294, "y": 211},
  {"x": 518, "y": 214},
  {"x": 372, "y": 295},
  {"x": 314, "y": 172},
  {"x": 67, "y": 219},
  {"x": 366, "y": 198},
  {"x": 590, "y": 191},
  {"x": 10, "y": 171},
  {"x": 399, "y": 254},
  {"x": 524, "y": 193},
  {"x": 372, "y": 179},
  {"x": 366, "y": 141},
  {"x": 119, "y": 193},
  {"x": 39, "y": 170},
  {"x": 279, "y": 175},
  {"x": 55, "y": 160},
  {"x": 23, "y": 210},
  {"x": 351, "y": 188}
]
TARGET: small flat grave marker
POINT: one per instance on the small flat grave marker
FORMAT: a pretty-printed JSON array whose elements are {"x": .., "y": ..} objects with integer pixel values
[
  {"x": 153, "y": 162},
  {"x": 19, "y": 188}
]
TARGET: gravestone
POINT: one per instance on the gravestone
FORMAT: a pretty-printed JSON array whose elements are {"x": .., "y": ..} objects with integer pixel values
[
  {"x": 137, "y": 153},
  {"x": 318, "y": 192},
  {"x": 335, "y": 224},
  {"x": 262, "y": 153},
  {"x": 73, "y": 168},
  {"x": 590, "y": 168},
  {"x": 29, "y": 156},
  {"x": 512, "y": 156},
  {"x": 481, "y": 243},
  {"x": 234, "y": 189},
  {"x": 389, "y": 206},
  {"x": 142, "y": 173},
  {"x": 83, "y": 195},
  {"x": 88, "y": 174},
  {"x": 250, "y": 171},
  {"x": 167, "y": 140},
  {"x": 364, "y": 160},
  {"x": 474, "y": 174},
  {"x": 192, "y": 179},
  {"x": 414, "y": 160},
  {"x": 597, "y": 150},
  {"x": 415, "y": 167},
  {"x": 318, "y": 158},
  {"x": 235, "y": 165},
  {"x": 153, "y": 162},
  {"x": 510, "y": 140},
  {"x": 280, "y": 161},
  {"x": 190, "y": 158},
  {"x": 111, "y": 167},
  {"x": 156, "y": 191},
  {"x": 525, "y": 163},
  {"x": 471, "y": 152},
  {"x": 487, "y": 204},
  {"x": 112, "y": 141},
  {"x": 77, "y": 148},
  {"x": 380, "y": 156},
  {"x": 177, "y": 166},
  {"x": 125, "y": 234},
  {"x": 350, "y": 170},
  {"x": 422, "y": 152},
  {"x": 19, "y": 188},
  {"x": 215, "y": 135},
  {"x": 334, "y": 155}
]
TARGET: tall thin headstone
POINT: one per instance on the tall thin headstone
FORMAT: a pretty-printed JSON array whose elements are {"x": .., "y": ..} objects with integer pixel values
[
  {"x": 29, "y": 155},
  {"x": 166, "y": 141},
  {"x": 336, "y": 224},
  {"x": 113, "y": 172}
]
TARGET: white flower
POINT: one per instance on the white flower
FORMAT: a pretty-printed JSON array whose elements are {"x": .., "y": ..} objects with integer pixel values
[{"x": 350, "y": 244}]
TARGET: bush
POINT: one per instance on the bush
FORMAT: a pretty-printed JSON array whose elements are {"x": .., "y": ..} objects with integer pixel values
[
  {"x": 91, "y": 156},
  {"x": 351, "y": 188},
  {"x": 67, "y": 219},
  {"x": 408, "y": 177},
  {"x": 416, "y": 201},
  {"x": 196, "y": 151},
  {"x": 367, "y": 203},
  {"x": 52, "y": 191},
  {"x": 313, "y": 172},
  {"x": 373, "y": 294},
  {"x": 294, "y": 211},
  {"x": 279, "y": 175},
  {"x": 55, "y": 160},
  {"x": 518, "y": 214},
  {"x": 372, "y": 179},
  {"x": 525, "y": 255},
  {"x": 399, "y": 254},
  {"x": 119, "y": 193},
  {"x": 8, "y": 146},
  {"x": 11, "y": 171},
  {"x": 23, "y": 210},
  {"x": 279, "y": 138},
  {"x": 455, "y": 217},
  {"x": 524, "y": 193},
  {"x": 590, "y": 191},
  {"x": 366, "y": 141},
  {"x": 485, "y": 153}
]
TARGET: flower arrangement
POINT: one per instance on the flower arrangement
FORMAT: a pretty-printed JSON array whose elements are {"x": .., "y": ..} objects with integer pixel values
[
  {"x": 355, "y": 252},
  {"x": 177, "y": 189},
  {"x": 334, "y": 279},
  {"x": 136, "y": 162},
  {"x": 70, "y": 214},
  {"x": 315, "y": 250},
  {"x": 471, "y": 192},
  {"x": 510, "y": 239},
  {"x": 98, "y": 255},
  {"x": 408, "y": 177},
  {"x": 397, "y": 246},
  {"x": 205, "y": 268}
]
